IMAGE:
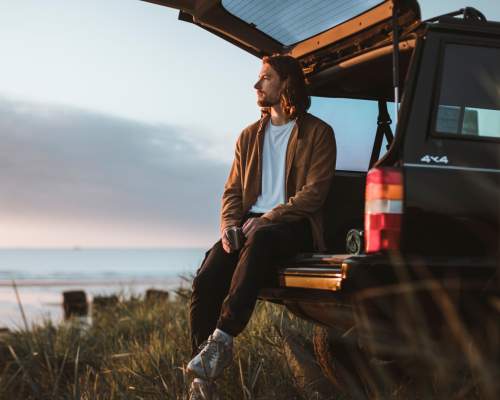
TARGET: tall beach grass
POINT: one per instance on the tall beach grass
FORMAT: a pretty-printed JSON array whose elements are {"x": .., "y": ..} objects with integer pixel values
[{"x": 137, "y": 349}]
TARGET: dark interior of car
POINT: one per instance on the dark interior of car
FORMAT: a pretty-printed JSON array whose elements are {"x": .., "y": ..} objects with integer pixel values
[{"x": 344, "y": 209}]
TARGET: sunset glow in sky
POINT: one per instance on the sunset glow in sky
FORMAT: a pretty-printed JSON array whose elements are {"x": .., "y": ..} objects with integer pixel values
[{"x": 118, "y": 122}]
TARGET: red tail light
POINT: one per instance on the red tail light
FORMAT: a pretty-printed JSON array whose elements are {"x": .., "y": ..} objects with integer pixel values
[{"x": 383, "y": 209}]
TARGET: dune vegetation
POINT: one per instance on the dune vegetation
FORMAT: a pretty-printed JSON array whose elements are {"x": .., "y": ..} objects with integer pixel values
[{"x": 138, "y": 349}]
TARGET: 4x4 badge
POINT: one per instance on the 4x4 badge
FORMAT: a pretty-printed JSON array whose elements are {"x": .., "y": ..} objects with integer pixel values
[{"x": 434, "y": 159}]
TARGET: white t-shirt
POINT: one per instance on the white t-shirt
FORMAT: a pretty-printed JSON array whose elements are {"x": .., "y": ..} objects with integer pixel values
[{"x": 273, "y": 167}]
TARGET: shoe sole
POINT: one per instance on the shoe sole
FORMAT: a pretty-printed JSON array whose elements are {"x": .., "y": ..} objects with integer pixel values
[{"x": 194, "y": 374}]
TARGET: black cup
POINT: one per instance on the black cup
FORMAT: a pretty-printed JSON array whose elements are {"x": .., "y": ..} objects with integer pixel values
[{"x": 236, "y": 238}]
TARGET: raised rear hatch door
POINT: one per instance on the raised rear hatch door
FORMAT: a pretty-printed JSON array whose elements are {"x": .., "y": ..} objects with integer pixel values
[{"x": 264, "y": 27}]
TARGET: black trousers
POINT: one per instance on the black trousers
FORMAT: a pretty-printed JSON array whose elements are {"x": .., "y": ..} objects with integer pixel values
[{"x": 226, "y": 286}]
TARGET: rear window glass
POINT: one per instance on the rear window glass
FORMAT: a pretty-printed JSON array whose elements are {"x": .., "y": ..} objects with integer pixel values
[
  {"x": 469, "y": 99},
  {"x": 292, "y": 21},
  {"x": 355, "y": 124}
]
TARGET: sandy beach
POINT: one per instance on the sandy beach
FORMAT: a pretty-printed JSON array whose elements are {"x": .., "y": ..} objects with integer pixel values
[{"x": 43, "y": 299}]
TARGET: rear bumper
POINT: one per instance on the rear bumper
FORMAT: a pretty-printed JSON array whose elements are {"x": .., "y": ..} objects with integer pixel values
[
  {"x": 325, "y": 288},
  {"x": 334, "y": 272},
  {"x": 388, "y": 269},
  {"x": 334, "y": 277}
]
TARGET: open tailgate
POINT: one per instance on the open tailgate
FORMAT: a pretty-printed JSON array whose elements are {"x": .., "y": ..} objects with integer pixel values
[{"x": 294, "y": 27}]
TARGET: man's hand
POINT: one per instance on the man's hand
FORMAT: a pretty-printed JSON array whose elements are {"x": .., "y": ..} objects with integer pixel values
[
  {"x": 252, "y": 224},
  {"x": 226, "y": 245}
]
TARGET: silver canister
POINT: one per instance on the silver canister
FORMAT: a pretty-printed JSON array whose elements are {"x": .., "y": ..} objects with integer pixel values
[{"x": 235, "y": 237}]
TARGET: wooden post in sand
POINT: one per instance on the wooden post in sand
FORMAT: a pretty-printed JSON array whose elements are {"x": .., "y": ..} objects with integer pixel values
[
  {"x": 155, "y": 295},
  {"x": 75, "y": 304}
]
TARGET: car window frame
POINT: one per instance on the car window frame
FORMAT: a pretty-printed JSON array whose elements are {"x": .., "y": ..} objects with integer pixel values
[
  {"x": 384, "y": 149},
  {"x": 433, "y": 133}
]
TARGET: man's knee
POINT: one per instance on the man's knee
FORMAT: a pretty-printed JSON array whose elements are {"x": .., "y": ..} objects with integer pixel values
[
  {"x": 211, "y": 271},
  {"x": 199, "y": 280},
  {"x": 262, "y": 237},
  {"x": 201, "y": 271}
]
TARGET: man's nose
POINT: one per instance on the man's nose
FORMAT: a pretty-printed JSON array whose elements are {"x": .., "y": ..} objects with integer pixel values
[{"x": 257, "y": 85}]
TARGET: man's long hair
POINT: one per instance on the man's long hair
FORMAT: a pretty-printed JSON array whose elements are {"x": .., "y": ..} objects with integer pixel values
[{"x": 294, "y": 98}]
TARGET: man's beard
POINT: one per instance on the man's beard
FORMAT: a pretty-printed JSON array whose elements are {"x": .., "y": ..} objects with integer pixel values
[{"x": 265, "y": 102}]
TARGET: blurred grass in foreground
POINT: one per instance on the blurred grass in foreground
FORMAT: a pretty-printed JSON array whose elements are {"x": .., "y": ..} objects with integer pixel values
[{"x": 138, "y": 350}]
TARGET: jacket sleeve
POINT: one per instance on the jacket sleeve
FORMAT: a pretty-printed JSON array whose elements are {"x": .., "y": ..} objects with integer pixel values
[
  {"x": 312, "y": 195},
  {"x": 232, "y": 198}
]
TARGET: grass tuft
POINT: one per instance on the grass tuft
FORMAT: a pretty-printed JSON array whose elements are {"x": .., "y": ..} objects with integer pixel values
[
  {"x": 138, "y": 350},
  {"x": 135, "y": 349}
]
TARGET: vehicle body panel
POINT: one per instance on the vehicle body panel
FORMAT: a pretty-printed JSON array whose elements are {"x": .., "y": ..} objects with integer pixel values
[{"x": 452, "y": 184}]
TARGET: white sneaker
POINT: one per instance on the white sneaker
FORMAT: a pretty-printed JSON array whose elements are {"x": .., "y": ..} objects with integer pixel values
[{"x": 209, "y": 363}]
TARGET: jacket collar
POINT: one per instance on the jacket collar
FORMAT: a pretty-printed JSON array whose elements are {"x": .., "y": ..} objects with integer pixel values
[{"x": 266, "y": 117}]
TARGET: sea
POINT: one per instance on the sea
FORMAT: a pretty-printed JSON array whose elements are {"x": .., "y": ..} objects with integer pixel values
[{"x": 32, "y": 281}]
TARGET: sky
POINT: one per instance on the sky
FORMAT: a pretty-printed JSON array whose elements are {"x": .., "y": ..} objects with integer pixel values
[{"x": 118, "y": 122}]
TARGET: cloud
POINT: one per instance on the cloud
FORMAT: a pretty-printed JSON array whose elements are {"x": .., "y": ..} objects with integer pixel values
[{"x": 60, "y": 163}]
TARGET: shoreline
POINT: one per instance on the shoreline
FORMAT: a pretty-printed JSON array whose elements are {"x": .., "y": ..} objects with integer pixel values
[
  {"x": 87, "y": 283},
  {"x": 43, "y": 299}
]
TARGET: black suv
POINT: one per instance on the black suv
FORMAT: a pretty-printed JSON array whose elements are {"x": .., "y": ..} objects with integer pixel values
[{"x": 419, "y": 223}]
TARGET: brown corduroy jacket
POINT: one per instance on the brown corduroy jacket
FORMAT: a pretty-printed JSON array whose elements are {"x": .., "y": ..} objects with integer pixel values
[{"x": 309, "y": 168}]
